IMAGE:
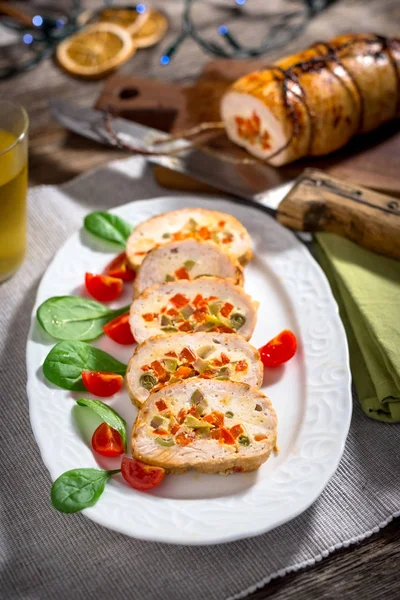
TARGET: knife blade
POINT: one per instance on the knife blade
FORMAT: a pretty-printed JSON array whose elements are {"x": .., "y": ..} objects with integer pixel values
[
  {"x": 314, "y": 201},
  {"x": 255, "y": 182}
]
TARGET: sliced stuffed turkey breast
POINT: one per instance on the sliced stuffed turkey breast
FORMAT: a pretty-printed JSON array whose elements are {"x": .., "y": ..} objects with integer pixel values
[
  {"x": 185, "y": 260},
  {"x": 207, "y": 425},
  {"x": 163, "y": 360},
  {"x": 207, "y": 304},
  {"x": 313, "y": 102},
  {"x": 199, "y": 224}
]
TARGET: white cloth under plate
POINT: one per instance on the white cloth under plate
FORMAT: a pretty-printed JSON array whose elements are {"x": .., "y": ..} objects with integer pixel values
[{"x": 47, "y": 555}]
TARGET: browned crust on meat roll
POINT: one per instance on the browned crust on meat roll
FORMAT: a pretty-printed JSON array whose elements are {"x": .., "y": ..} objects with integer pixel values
[{"x": 315, "y": 101}]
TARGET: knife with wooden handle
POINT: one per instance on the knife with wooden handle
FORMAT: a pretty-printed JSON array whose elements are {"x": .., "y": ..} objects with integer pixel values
[
  {"x": 319, "y": 202},
  {"x": 313, "y": 202}
]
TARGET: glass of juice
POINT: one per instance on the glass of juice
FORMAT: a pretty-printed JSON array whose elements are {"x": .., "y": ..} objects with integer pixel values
[{"x": 13, "y": 186}]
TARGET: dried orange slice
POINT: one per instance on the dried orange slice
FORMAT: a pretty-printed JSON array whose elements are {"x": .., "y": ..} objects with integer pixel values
[
  {"x": 152, "y": 30},
  {"x": 127, "y": 18},
  {"x": 95, "y": 50}
]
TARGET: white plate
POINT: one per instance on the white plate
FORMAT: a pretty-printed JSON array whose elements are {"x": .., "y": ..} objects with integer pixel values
[{"x": 311, "y": 395}]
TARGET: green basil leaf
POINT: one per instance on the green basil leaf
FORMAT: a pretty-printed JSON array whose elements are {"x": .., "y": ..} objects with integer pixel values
[
  {"x": 78, "y": 489},
  {"x": 107, "y": 414},
  {"x": 75, "y": 318},
  {"x": 65, "y": 362},
  {"x": 108, "y": 227}
]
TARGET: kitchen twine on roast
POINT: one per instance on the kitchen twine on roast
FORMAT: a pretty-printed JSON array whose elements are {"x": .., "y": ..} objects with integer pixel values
[{"x": 191, "y": 132}]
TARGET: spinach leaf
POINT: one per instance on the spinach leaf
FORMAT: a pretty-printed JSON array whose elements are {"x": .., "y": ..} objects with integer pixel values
[
  {"x": 108, "y": 227},
  {"x": 75, "y": 318},
  {"x": 107, "y": 414},
  {"x": 65, "y": 362},
  {"x": 78, "y": 489}
]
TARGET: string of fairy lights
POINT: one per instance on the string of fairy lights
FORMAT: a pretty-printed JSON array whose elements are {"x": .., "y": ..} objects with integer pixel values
[
  {"x": 46, "y": 31},
  {"x": 280, "y": 29},
  {"x": 41, "y": 37}
]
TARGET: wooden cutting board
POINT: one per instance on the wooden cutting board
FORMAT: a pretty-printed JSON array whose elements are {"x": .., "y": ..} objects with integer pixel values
[{"x": 371, "y": 160}]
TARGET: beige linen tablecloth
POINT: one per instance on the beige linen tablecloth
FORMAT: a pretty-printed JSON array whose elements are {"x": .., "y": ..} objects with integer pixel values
[{"x": 48, "y": 555}]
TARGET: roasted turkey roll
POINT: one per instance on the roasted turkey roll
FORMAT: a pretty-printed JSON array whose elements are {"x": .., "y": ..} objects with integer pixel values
[
  {"x": 210, "y": 426},
  {"x": 199, "y": 224},
  {"x": 314, "y": 102},
  {"x": 207, "y": 304},
  {"x": 163, "y": 360},
  {"x": 185, "y": 260}
]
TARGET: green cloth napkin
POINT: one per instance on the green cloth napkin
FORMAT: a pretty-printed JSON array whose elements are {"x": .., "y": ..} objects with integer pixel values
[{"x": 367, "y": 289}]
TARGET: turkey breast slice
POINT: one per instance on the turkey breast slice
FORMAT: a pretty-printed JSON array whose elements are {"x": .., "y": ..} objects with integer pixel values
[
  {"x": 185, "y": 260},
  {"x": 210, "y": 426},
  {"x": 163, "y": 360},
  {"x": 258, "y": 124},
  {"x": 207, "y": 304},
  {"x": 215, "y": 227}
]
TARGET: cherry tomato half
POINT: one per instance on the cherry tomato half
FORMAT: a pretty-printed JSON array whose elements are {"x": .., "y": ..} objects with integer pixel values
[
  {"x": 102, "y": 384},
  {"x": 102, "y": 287},
  {"x": 119, "y": 267},
  {"x": 119, "y": 330},
  {"x": 279, "y": 350},
  {"x": 107, "y": 441},
  {"x": 140, "y": 476}
]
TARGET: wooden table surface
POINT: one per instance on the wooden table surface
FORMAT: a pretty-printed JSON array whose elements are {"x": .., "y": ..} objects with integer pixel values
[{"x": 370, "y": 569}]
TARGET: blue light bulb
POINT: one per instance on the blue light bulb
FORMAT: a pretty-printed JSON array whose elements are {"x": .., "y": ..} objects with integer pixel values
[
  {"x": 37, "y": 20},
  {"x": 222, "y": 29},
  {"x": 28, "y": 38},
  {"x": 140, "y": 8},
  {"x": 164, "y": 60}
]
